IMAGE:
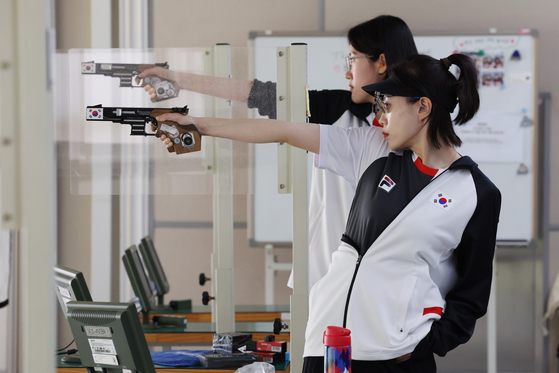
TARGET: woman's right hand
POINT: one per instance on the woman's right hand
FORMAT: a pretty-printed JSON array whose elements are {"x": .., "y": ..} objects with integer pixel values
[
  {"x": 164, "y": 74},
  {"x": 173, "y": 117},
  {"x": 167, "y": 141},
  {"x": 164, "y": 139}
]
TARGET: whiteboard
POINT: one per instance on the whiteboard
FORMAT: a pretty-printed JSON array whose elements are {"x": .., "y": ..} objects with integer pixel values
[{"x": 501, "y": 138}]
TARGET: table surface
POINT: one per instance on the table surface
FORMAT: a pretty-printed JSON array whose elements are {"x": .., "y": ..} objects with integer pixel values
[
  {"x": 242, "y": 312},
  {"x": 203, "y": 332}
]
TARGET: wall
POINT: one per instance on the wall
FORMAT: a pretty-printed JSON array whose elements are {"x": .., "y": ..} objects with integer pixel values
[{"x": 203, "y": 23}]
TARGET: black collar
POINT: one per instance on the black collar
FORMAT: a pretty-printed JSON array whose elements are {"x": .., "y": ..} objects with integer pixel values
[
  {"x": 464, "y": 162},
  {"x": 361, "y": 111}
]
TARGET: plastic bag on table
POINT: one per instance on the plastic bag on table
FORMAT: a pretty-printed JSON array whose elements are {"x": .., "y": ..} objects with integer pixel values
[{"x": 258, "y": 367}]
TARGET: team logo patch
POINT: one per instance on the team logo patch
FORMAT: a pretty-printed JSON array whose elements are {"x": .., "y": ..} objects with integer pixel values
[
  {"x": 442, "y": 200},
  {"x": 387, "y": 183}
]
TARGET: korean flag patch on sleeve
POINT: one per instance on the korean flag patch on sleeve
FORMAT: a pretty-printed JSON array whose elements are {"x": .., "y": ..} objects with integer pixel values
[{"x": 442, "y": 200}]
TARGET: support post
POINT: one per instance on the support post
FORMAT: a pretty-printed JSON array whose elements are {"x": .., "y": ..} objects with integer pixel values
[
  {"x": 271, "y": 267},
  {"x": 27, "y": 174},
  {"x": 134, "y": 184},
  {"x": 101, "y": 200},
  {"x": 291, "y": 106},
  {"x": 223, "y": 279}
]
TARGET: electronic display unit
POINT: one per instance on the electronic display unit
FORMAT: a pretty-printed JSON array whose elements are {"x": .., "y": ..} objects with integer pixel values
[
  {"x": 110, "y": 337},
  {"x": 70, "y": 285},
  {"x": 139, "y": 281},
  {"x": 155, "y": 272},
  {"x": 154, "y": 268},
  {"x": 143, "y": 290}
]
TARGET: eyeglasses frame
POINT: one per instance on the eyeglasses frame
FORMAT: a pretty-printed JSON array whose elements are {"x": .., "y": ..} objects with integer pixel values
[{"x": 349, "y": 60}]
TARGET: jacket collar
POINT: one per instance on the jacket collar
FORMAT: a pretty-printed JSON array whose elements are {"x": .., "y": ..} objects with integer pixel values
[
  {"x": 361, "y": 111},
  {"x": 464, "y": 162}
]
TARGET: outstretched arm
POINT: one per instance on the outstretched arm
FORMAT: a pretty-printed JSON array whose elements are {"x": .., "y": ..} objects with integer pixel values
[
  {"x": 301, "y": 135},
  {"x": 226, "y": 88}
]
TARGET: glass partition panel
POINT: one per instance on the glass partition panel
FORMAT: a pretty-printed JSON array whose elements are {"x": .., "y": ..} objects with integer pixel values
[{"x": 109, "y": 112}]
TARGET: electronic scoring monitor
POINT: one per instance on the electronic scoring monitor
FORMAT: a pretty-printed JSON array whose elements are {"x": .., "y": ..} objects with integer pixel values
[
  {"x": 139, "y": 281},
  {"x": 109, "y": 336},
  {"x": 70, "y": 285},
  {"x": 154, "y": 268}
]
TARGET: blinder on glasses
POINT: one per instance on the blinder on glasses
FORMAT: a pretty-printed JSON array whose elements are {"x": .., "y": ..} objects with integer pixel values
[
  {"x": 381, "y": 105},
  {"x": 379, "y": 102}
]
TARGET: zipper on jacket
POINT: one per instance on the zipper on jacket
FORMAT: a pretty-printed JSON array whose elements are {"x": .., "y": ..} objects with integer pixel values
[
  {"x": 361, "y": 257},
  {"x": 351, "y": 288}
]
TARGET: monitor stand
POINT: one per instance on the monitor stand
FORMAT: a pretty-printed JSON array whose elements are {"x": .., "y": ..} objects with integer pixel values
[
  {"x": 74, "y": 358},
  {"x": 162, "y": 309},
  {"x": 162, "y": 321},
  {"x": 173, "y": 306}
]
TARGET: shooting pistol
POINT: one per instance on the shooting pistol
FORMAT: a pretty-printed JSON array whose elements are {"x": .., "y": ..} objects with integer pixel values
[
  {"x": 185, "y": 138},
  {"x": 164, "y": 89}
]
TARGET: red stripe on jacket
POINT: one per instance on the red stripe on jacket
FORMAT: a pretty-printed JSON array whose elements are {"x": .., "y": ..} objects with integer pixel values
[{"x": 437, "y": 310}]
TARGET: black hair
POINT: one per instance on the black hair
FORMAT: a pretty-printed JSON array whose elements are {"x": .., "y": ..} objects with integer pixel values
[
  {"x": 432, "y": 77},
  {"x": 383, "y": 34}
]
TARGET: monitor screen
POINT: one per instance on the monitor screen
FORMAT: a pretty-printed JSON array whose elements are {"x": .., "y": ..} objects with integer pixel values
[
  {"x": 138, "y": 278},
  {"x": 70, "y": 285},
  {"x": 154, "y": 267},
  {"x": 109, "y": 335}
]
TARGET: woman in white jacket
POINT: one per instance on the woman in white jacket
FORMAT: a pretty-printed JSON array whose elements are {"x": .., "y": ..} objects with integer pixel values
[{"x": 413, "y": 271}]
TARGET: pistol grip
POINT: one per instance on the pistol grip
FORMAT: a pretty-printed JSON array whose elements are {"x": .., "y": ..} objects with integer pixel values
[
  {"x": 164, "y": 89},
  {"x": 186, "y": 139},
  {"x": 191, "y": 140}
]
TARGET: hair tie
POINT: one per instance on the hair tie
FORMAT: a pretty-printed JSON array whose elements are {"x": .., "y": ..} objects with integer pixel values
[{"x": 446, "y": 62}]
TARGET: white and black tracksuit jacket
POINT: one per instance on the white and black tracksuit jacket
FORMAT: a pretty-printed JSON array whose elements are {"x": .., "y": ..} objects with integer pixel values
[{"x": 413, "y": 271}]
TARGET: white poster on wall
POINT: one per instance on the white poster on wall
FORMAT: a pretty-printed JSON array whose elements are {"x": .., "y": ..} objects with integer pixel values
[{"x": 493, "y": 136}]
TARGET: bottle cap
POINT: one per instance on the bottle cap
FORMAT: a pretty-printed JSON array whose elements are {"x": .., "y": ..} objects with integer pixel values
[{"x": 337, "y": 336}]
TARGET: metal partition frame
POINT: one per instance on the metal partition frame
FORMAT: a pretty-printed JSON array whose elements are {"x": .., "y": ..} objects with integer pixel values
[
  {"x": 292, "y": 106},
  {"x": 27, "y": 163},
  {"x": 134, "y": 201},
  {"x": 223, "y": 280},
  {"x": 542, "y": 349},
  {"x": 101, "y": 202}
]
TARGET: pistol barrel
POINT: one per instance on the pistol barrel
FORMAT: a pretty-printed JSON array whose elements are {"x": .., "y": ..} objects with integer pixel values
[{"x": 117, "y": 69}]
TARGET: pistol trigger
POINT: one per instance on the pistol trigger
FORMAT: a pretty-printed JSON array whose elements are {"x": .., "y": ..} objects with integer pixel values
[{"x": 154, "y": 125}]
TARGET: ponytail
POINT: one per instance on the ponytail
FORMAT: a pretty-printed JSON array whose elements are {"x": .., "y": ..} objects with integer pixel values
[{"x": 465, "y": 88}]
